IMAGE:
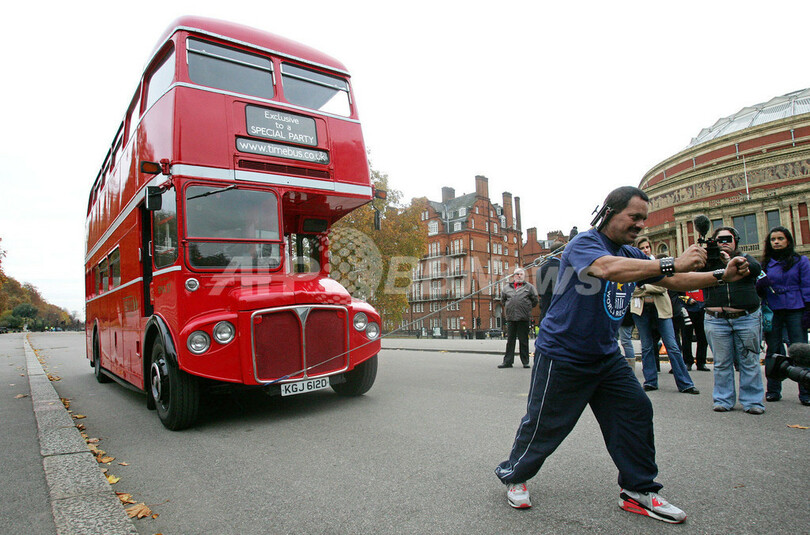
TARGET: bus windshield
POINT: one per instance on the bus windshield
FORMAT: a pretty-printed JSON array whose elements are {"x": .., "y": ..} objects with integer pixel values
[{"x": 230, "y": 227}]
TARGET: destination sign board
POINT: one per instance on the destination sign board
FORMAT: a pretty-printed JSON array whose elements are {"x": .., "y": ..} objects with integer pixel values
[
  {"x": 281, "y": 126},
  {"x": 267, "y": 148}
]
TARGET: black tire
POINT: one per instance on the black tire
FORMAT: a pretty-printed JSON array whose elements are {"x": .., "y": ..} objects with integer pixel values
[
  {"x": 97, "y": 369},
  {"x": 175, "y": 393},
  {"x": 359, "y": 380}
]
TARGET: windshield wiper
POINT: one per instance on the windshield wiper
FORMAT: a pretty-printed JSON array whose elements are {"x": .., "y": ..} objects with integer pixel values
[{"x": 212, "y": 192}]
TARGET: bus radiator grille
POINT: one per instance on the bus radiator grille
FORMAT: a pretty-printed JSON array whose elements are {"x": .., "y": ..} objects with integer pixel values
[{"x": 280, "y": 342}]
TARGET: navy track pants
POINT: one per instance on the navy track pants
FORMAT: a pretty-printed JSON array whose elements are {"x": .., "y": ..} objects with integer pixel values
[{"x": 559, "y": 392}]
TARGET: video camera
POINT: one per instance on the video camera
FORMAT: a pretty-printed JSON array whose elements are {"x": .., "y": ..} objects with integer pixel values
[
  {"x": 713, "y": 260},
  {"x": 796, "y": 366}
]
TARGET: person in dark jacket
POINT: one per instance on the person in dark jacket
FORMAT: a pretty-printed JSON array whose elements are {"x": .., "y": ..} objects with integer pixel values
[
  {"x": 733, "y": 329},
  {"x": 786, "y": 290},
  {"x": 694, "y": 307},
  {"x": 518, "y": 298},
  {"x": 547, "y": 277}
]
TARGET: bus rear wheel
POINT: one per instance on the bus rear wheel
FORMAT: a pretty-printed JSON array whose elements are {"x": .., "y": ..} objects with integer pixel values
[
  {"x": 175, "y": 393},
  {"x": 359, "y": 380},
  {"x": 101, "y": 377}
]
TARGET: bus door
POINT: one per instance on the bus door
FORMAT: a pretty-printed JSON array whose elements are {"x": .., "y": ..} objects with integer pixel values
[
  {"x": 146, "y": 262},
  {"x": 165, "y": 251}
]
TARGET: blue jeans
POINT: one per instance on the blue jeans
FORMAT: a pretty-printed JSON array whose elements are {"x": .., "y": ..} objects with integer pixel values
[
  {"x": 736, "y": 341},
  {"x": 626, "y": 340},
  {"x": 648, "y": 351},
  {"x": 790, "y": 321}
]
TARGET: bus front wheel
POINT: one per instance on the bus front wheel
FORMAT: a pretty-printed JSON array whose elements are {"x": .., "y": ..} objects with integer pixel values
[
  {"x": 175, "y": 393},
  {"x": 359, "y": 380}
]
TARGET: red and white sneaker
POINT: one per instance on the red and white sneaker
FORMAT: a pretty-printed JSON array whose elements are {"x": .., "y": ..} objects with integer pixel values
[
  {"x": 652, "y": 505},
  {"x": 518, "y": 496}
]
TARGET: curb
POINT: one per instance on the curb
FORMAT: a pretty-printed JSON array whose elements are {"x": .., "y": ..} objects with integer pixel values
[
  {"x": 461, "y": 350},
  {"x": 82, "y": 501},
  {"x": 630, "y": 362}
]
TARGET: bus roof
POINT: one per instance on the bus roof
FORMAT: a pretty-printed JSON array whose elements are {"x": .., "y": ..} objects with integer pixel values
[{"x": 253, "y": 37}]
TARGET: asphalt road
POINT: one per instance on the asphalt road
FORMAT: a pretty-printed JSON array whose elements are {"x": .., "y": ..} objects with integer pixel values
[{"x": 416, "y": 455}]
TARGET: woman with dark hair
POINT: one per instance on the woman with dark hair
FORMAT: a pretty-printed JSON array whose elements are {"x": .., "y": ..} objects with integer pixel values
[{"x": 786, "y": 290}]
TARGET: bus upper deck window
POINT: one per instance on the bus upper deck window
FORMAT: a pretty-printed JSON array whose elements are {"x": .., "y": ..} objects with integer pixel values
[
  {"x": 160, "y": 80},
  {"x": 315, "y": 90},
  {"x": 230, "y": 69}
]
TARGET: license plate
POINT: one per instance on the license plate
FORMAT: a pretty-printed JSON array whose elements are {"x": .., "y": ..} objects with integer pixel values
[{"x": 301, "y": 387}]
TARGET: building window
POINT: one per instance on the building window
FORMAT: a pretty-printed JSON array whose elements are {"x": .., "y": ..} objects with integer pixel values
[
  {"x": 746, "y": 225},
  {"x": 773, "y": 219},
  {"x": 716, "y": 224},
  {"x": 457, "y": 226},
  {"x": 433, "y": 228},
  {"x": 495, "y": 228},
  {"x": 476, "y": 209},
  {"x": 462, "y": 212}
]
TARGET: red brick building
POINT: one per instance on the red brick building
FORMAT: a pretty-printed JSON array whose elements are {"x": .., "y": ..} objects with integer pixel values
[{"x": 473, "y": 244}]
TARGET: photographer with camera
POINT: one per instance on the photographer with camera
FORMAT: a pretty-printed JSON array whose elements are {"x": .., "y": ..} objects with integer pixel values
[
  {"x": 786, "y": 290},
  {"x": 732, "y": 326}
]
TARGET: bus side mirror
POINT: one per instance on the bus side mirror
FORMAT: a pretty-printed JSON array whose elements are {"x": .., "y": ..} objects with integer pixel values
[{"x": 154, "y": 199}]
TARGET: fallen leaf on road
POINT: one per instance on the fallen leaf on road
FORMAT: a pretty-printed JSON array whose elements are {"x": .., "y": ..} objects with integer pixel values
[
  {"x": 92, "y": 441},
  {"x": 20, "y": 396},
  {"x": 79, "y": 416},
  {"x": 111, "y": 479},
  {"x": 124, "y": 497},
  {"x": 123, "y": 464},
  {"x": 798, "y": 426},
  {"x": 80, "y": 427},
  {"x": 105, "y": 460},
  {"x": 139, "y": 510},
  {"x": 53, "y": 377}
]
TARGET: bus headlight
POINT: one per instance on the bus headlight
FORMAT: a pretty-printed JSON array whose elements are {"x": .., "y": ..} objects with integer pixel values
[
  {"x": 224, "y": 331},
  {"x": 360, "y": 321},
  {"x": 372, "y": 331},
  {"x": 198, "y": 342}
]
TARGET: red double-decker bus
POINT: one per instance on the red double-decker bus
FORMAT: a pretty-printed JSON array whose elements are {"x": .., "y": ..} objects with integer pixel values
[{"x": 206, "y": 239}]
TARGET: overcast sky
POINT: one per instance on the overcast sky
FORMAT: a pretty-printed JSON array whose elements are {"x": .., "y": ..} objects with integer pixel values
[{"x": 557, "y": 104}]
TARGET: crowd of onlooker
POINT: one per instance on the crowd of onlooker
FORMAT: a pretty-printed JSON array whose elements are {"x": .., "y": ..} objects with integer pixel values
[{"x": 771, "y": 304}]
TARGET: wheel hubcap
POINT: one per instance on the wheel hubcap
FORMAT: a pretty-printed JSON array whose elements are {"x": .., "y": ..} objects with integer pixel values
[{"x": 158, "y": 378}]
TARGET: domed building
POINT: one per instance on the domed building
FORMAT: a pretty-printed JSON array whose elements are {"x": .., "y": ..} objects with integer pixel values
[{"x": 750, "y": 170}]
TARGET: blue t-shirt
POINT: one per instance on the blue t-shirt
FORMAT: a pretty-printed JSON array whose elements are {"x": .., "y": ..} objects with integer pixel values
[{"x": 585, "y": 311}]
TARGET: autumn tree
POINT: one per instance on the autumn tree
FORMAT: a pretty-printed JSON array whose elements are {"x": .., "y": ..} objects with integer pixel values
[
  {"x": 2, "y": 255},
  {"x": 376, "y": 265}
]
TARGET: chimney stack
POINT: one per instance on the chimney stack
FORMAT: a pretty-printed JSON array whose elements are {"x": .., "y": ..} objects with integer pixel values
[
  {"x": 507, "y": 208},
  {"x": 448, "y": 194},
  {"x": 482, "y": 186},
  {"x": 517, "y": 214},
  {"x": 531, "y": 236}
]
